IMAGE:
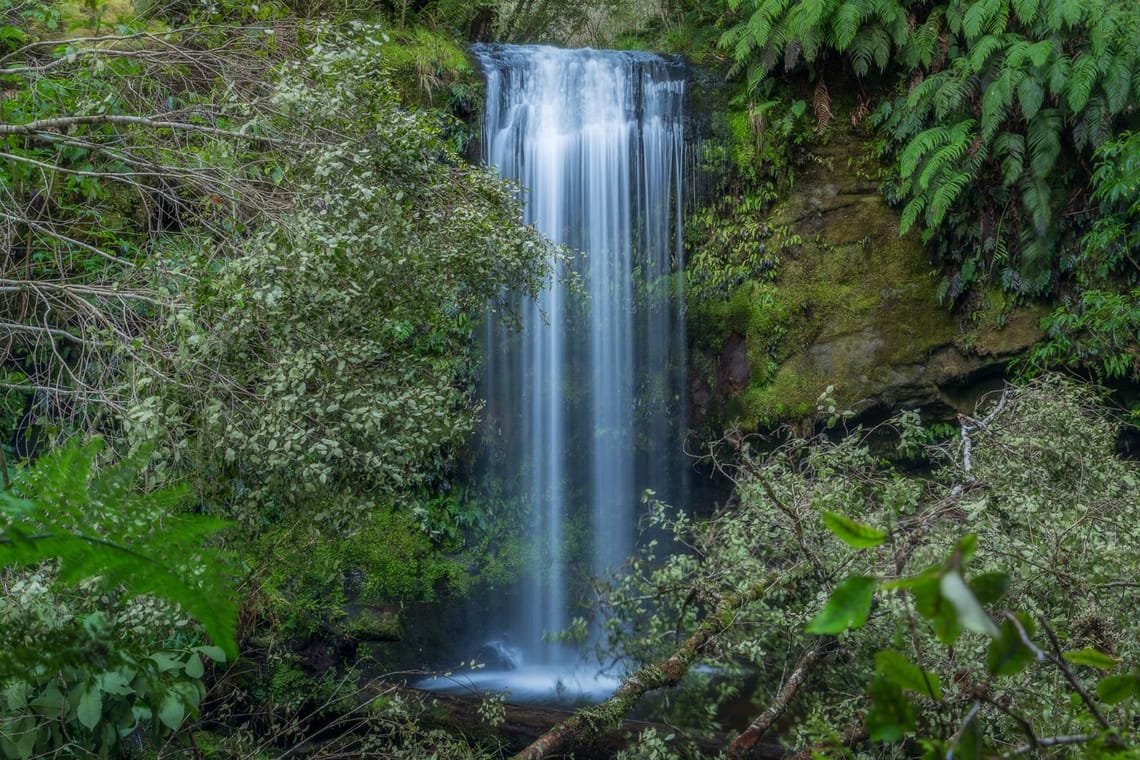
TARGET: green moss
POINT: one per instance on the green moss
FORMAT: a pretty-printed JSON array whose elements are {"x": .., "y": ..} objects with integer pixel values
[{"x": 847, "y": 302}]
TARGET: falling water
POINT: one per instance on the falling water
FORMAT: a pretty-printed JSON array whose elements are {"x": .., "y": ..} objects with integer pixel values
[{"x": 585, "y": 397}]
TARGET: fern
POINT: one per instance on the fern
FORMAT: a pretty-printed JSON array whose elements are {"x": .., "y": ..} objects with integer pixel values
[
  {"x": 1117, "y": 85},
  {"x": 1081, "y": 82},
  {"x": 980, "y": 17},
  {"x": 1030, "y": 96},
  {"x": 845, "y": 25},
  {"x": 982, "y": 50},
  {"x": 1064, "y": 13},
  {"x": 945, "y": 196},
  {"x": 1044, "y": 141},
  {"x": 1026, "y": 10},
  {"x": 1038, "y": 202},
  {"x": 1009, "y": 148},
  {"x": 100, "y": 525}
]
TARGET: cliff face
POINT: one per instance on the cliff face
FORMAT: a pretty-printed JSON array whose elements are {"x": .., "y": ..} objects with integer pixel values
[{"x": 845, "y": 302}]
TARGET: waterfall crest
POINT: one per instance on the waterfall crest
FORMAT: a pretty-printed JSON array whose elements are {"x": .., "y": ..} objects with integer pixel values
[{"x": 586, "y": 397}]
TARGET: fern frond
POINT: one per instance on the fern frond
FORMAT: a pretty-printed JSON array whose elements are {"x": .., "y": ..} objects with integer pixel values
[
  {"x": 954, "y": 95},
  {"x": 981, "y": 51},
  {"x": 944, "y": 158},
  {"x": 1026, "y": 10},
  {"x": 1030, "y": 96},
  {"x": 845, "y": 24},
  {"x": 980, "y": 17},
  {"x": 1009, "y": 149},
  {"x": 1117, "y": 84},
  {"x": 1037, "y": 200},
  {"x": 911, "y": 212},
  {"x": 930, "y": 140},
  {"x": 1064, "y": 13},
  {"x": 1094, "y": 126},
  {"x": 1060, "y": 71},
  {"x": 1043, "y": 138},
  {"x": 1084, "y": 76},
  {"x": 102, "y": 526},
  {"x": 945, "y": 196},
  {"x": 923, "y": 42}
]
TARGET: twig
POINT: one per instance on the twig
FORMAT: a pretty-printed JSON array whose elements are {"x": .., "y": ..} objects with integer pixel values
[
  {"x": 1051, "y": 741},
  {"x": 1059, "y": 659}
]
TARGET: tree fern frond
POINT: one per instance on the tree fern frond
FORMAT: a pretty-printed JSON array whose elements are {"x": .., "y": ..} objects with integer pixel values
[
  {"x": 1030, "y": 96},
  {"x": 845, "y": 24},
  {"x": 1026, "y": 10},
  {"x": 1043, "y": 139},
  {"x": 981, "y": 51},
  {"x": 1009, "y": 149},
  {"x": 1084, "y": 76}
]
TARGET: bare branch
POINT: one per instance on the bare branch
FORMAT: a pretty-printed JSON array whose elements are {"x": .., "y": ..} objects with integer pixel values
[{"x": 742, "y": 746}]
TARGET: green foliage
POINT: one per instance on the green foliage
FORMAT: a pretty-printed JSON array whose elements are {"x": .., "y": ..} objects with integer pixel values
[
  {"x": 1000, "y": 102},
  {"x": 970, "y": 642},
  {"x": 97, "y": 525},
  {"x": 1100, "y": 326},
  {"x": 339, "y": 346},
  {"x": 95, "y": 568}
]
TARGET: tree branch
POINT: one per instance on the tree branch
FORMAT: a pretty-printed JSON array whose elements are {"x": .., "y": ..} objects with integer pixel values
[
  {"x": 743, "y": 744},
  {"x": 66, "y": 122}
]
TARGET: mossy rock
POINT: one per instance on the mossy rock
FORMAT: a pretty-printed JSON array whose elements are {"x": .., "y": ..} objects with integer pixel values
[{"x": 850, "y": 305}]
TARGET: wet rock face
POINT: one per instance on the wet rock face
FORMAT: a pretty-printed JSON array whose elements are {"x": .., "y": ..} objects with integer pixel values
[
  {"x": 734, "y": 370},
  {"x": 852, "y": 305}
]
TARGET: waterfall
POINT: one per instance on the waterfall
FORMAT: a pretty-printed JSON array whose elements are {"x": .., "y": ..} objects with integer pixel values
[{"x": 585, "y": 388}]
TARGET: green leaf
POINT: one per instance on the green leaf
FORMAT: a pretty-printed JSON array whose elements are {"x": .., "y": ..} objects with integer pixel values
[
  {"x": 971, "y": 614},
  {"x": 1007, "y": 654},
  {"x": 166, "y": 661},
  {"x": 50, "y": 703},
  {"x": 1113, "y": 690},
  {"x": 899, "y": 670},
  {"x": 172, "y": 712},
  {"x": 852, "y": 533},
  {"x": 931, "y": 605},
  {"x": 194, "y": 667},
  {"x": 891, "y": 714},
  {"x": 115, "y": 684},
  {"x": 990, "y": 587},
  {"x": 217, "y": 654},
  {"x": 90, "y": 708},
  {"x": 848, "y": 607},
  {"x": 1092, "y": 658}
]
